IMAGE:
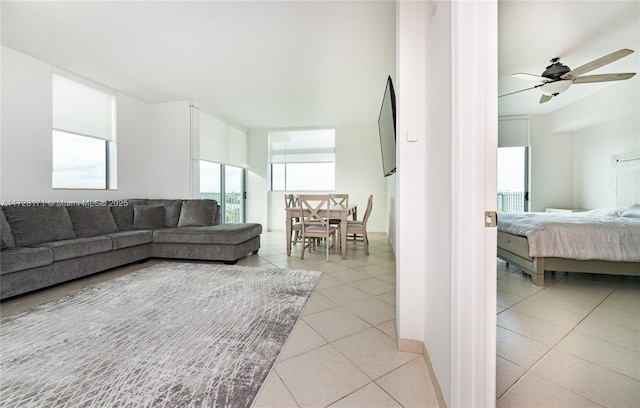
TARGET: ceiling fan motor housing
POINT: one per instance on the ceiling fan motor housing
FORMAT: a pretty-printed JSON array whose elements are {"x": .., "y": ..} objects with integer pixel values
[{"x": 555, "y": 70}]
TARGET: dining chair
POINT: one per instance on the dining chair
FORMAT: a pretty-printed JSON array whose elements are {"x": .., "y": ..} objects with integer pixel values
[
  {"x": 291, "y": 201},
  {"x": 339, "y": 199},
  {"x": 314, "y": 217},
  {"x": 359, "y": 228}
]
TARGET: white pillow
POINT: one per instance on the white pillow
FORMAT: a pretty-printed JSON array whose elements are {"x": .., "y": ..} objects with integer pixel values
[{"x": 632, "y": 212}]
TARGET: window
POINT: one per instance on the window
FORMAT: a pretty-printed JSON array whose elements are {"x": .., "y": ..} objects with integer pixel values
[
  {"x": 513, "y": 191},
  {"x": 83, "y": 136},
  {"x": 302, "y": 160}
]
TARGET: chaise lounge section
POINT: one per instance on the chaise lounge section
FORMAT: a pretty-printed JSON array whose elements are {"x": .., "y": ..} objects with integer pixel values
[{"x": 43, "y": 245}]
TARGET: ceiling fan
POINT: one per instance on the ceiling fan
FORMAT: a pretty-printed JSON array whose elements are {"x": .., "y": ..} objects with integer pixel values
[{"x": 558, "y": 77}]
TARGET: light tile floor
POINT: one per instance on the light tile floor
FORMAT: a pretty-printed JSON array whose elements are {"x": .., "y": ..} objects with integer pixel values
[
  {"x": 573, "y": 343},
  {"x": 343, "y": 350}
]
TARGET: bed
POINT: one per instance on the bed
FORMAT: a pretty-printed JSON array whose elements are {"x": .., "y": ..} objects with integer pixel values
[{"x": 605, "y": 241}]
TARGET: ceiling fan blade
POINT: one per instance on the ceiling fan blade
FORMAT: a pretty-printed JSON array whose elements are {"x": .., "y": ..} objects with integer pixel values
[
  {"x": 602, "y": 61},
  {"x": 522, "y": 90},
  {"x": 603, "y": 78},
  {"x": 530, "y": 77},
  {"x": 545, "y": 98}
]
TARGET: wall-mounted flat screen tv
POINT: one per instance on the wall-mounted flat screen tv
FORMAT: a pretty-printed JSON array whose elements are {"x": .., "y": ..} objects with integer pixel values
[{"x": 387, "y": 129}]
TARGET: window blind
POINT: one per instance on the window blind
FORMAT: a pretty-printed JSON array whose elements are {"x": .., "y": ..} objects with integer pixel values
[
  {"x": 513, "y": 132},
  {"x": 302, "y": 146},
  {"x": 82, "y": 110},
  {"x": 215, "y": 141}
]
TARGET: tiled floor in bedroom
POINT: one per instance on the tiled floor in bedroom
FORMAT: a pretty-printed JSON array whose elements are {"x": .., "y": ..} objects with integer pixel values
[{"x": 575, "y": 342}]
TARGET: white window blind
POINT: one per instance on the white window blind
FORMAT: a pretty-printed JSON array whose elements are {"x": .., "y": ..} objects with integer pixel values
[
  {"x": 302, "y": 146},
  {"x": 82, "y": 110},
  {"x": 215, "y": 141},
  {"x": 513, "y": 132}
]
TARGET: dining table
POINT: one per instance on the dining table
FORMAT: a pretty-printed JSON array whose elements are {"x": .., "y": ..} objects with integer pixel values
[{"x": 336, "y": 211}]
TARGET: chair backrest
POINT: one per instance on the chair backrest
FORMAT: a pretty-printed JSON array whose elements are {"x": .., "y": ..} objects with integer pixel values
[
  {"x": 314, "y": 209},
  {"x": 367, "y": 212},
  {"x": 339, "y": 199},
  {"x": 290, "y": 200}
]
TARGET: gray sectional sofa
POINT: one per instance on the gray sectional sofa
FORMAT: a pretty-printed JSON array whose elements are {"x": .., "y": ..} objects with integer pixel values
[{"x": 45, "y": 244}]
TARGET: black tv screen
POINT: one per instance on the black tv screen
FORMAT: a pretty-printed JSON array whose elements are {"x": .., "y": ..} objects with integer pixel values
[{"x": 387, "y": 129}]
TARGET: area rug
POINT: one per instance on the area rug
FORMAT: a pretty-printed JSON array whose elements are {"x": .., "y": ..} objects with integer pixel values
[{"x": 171, "y": 335}]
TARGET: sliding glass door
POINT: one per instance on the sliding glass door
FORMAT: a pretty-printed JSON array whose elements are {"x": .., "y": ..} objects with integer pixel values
[
  {"x": 233, "y": 194},
  {"x": 225, "y": 184}
]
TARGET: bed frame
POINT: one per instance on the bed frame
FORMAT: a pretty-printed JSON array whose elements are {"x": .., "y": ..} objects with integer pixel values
[{"x": 514, "y": 249}]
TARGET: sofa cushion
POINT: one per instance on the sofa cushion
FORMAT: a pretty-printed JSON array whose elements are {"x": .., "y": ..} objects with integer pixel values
[
  {"x": 123, "y": 214},
  {"x": 229, "y": 234},
  {"x": 91, "y": 221},
  {"x": 126, "y": 239},
  {"x": 148, "y": 216},
  {"x": 19, "y": 259},
  {"x": 7, "y": 240},
  {"x": 74, "y": 248},
  {"x": 171, "y": 211},
  {"x": 35, "y": 224},
  {"x": 197, "y": 213}
]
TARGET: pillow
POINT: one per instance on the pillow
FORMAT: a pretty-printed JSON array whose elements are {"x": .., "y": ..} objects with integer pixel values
[
  {"x": 632, "y": 212},
  {"x": 123, "y": 214},
  {"x": 32, "y": 225},
  {"x": 92, "y": 221},
  {"x": 148, "y": 216},
  {"x": 7, "y": 237},
  {"x": 171, "y": 211},
  {"x": 197, "y": 213}
]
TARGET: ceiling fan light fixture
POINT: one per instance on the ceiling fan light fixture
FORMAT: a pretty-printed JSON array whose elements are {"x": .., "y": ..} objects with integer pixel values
[{"x": 555, "y": 87}]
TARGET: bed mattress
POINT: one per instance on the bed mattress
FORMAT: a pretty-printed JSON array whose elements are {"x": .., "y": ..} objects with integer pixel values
[{"x": 603, "y": 234}]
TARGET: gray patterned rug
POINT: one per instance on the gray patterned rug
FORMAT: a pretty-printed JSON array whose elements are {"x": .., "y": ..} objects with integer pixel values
[{"x": 171, "y": 335}]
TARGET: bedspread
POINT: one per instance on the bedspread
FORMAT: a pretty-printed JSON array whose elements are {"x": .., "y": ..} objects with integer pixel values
[{"x": 597, "y": 234}]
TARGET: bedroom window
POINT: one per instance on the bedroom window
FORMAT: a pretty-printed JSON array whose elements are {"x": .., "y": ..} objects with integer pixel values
[
  {"x": 83, "y": 136},
  {"x": 513, "y": 176},
  {"x": 302, "y": 160}
]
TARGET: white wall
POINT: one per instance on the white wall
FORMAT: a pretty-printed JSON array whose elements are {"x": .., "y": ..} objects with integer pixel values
[
  {"x": 551, "y": 155},
  {"x": 412, "y": 206},
  {"x": 438, "y": 199},
  {"x": 25, "y": 139},
  {"x": 593, "y": 149},
  {"x": 169, "y": 161},
  {"x": 391, "y": 212},
  {"x": 257, "y": 209}
]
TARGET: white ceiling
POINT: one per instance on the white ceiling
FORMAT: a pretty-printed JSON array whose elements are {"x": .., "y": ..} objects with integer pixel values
[
  {"x": 530, "y": 33},
  {"x": 271, "y": 64},
  {"x": 262, "y": 64}
]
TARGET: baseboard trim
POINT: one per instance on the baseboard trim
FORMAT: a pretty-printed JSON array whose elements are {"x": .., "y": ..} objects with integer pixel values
[
  {"x": 410, "y": 346},
  {"x": 434, "y": 380},
  {"x": 417, "y": 346}
]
